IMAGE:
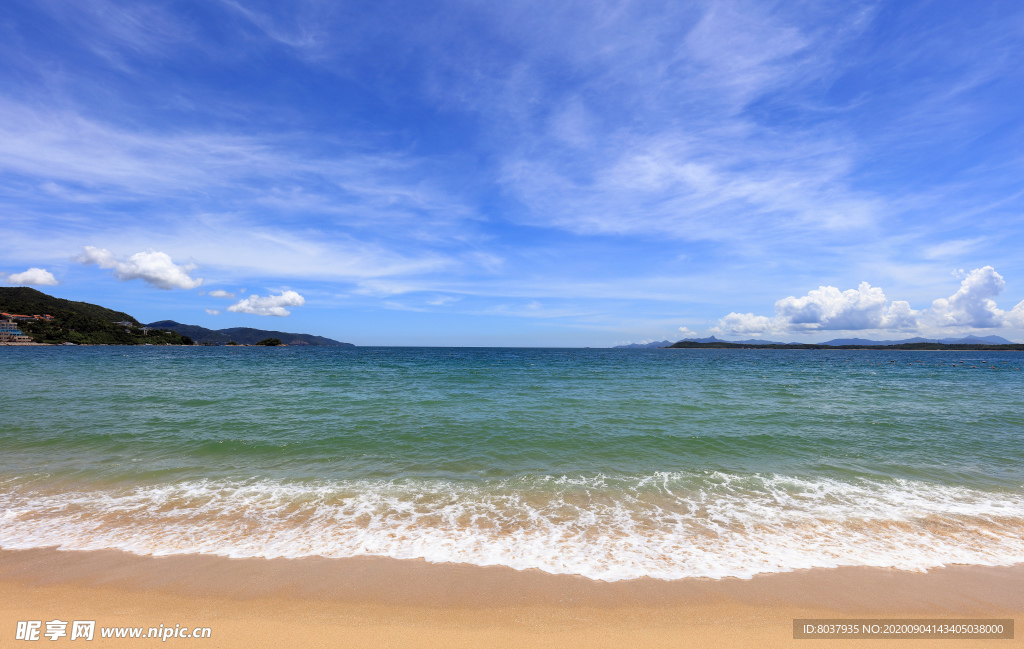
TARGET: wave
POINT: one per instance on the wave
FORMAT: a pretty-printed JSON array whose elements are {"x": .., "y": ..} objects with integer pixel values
[{"x": 662, "y": 525}]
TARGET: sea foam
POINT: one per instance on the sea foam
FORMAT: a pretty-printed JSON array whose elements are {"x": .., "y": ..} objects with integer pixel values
[{"x": 662, "y": 525}]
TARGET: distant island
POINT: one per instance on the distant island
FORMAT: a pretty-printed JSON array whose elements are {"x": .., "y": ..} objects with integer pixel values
[
  {"x": 919, "y": 346},
  {"x": 839, "y": 343},
  {"x": 31, "y": 316},
  {"x": 652, "y": 345},
  {"x": 244, "y": 335}
]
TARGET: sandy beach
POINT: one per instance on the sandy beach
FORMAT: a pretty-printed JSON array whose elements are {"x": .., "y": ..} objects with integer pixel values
[{"x": 389, "y": 603}]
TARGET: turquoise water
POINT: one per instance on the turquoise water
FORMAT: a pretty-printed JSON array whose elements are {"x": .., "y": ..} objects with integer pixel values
[{"x": 612, "y": 464}]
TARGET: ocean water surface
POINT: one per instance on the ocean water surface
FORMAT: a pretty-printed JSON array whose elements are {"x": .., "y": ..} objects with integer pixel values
[{"x": 612, "y": 464}]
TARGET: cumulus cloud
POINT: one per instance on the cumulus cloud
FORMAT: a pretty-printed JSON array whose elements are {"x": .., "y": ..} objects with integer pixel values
[
  {"x": 1015, "y": 317},
  {"x": 899, "y": 315},
  {"x": 153, "y": 267},
  {"x": 270, "y": 305},
  {"x": 32, "y": 277},
  {"x": 212, "y": 311},
  {"x": 825, "y": 308},
  {"x": 221, "y": 293},
  {"x": 686, "y": 331},
  {"x": 828, "y": 308},
  {"x": 973, "y": 305},
  {"x": 742, "y": 323}
]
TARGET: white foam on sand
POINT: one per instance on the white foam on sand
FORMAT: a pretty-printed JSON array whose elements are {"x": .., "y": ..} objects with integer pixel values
[{"x": 662, "y": 525}]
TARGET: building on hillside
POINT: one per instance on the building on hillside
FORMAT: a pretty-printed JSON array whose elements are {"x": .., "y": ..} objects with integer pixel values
[
  {"x": 14, "y": 338},
  {"x": 10, "y": 333},
  {"x": 18, "y": 316}
]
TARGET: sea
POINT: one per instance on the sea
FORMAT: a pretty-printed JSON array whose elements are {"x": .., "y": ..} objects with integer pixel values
[{"x": 607, "y": 463}]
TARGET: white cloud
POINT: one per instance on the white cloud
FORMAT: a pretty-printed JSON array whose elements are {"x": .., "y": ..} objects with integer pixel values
[
  {"x": 212, "y": 311},
  {"x": 828, "y": 308},
  {"x": 99, "y": 256},
  {"x": 270, "y": 305},
  {"x": 153, "y": 267},
  {"x": 899, "y": 315},
  {"x": 221, "y": 293},
  {"x": 687, "y": 332},
  {"x": 742, "y": 323},
  {"x": 1015, "y": 317},
  {"x": 973, "y": 305},
  {"x": 33, "y": 277}
]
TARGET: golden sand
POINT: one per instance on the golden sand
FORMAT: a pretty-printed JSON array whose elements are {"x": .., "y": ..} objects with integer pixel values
[{"x": 388, "y": 603}]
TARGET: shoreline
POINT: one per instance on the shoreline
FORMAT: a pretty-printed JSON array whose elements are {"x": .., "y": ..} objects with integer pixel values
[
  {"x": 910, "y": 347},
  {"x": 372, "y": 601}
]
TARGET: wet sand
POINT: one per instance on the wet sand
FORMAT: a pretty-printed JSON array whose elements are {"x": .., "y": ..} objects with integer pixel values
[{"x": 377, "y": 602}]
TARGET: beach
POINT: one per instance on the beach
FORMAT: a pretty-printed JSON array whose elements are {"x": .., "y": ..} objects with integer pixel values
[
  {"x": 376, "y": 497},
  {"x": 511, "y": 324},
  {"x": 376, "y": 602}
]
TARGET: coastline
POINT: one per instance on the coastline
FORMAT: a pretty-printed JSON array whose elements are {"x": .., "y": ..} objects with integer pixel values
[
  {"x": 100, "y": 345},
  {"x": 370, "y": 602},
  {"x": 914, "y": 347}
]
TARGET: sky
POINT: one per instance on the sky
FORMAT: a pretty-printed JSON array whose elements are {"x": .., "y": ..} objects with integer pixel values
[{"x": 520, "y": 173}]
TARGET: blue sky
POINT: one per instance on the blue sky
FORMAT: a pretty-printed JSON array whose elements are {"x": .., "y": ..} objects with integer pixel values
[{"x": 521, "y": 173}]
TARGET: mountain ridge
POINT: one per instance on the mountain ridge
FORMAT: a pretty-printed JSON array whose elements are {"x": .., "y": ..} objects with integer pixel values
[
  {"x": 79, "y": 323},
  {"x": 835, "y": 342},
  {"x": 83, "y": 323},
  {"x": 244, "y": 335}
]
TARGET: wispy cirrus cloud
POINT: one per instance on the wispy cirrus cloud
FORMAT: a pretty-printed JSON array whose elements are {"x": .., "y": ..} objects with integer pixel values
[
  {"x": 95, "y": 157},
  {"x": 302, "y": 27},
  {"x": 684, "y": 155},
  {"x": 284, "y": 208},
  {"x": 620, "y": 164}
]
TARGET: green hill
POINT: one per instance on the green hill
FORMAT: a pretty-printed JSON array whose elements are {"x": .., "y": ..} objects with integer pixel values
[
  {"x": 244, "y": 335},
  {"x": 79, "y": 322},
  {"x": 29, "y": 301},
  {"x": 90, "y": 324}
]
